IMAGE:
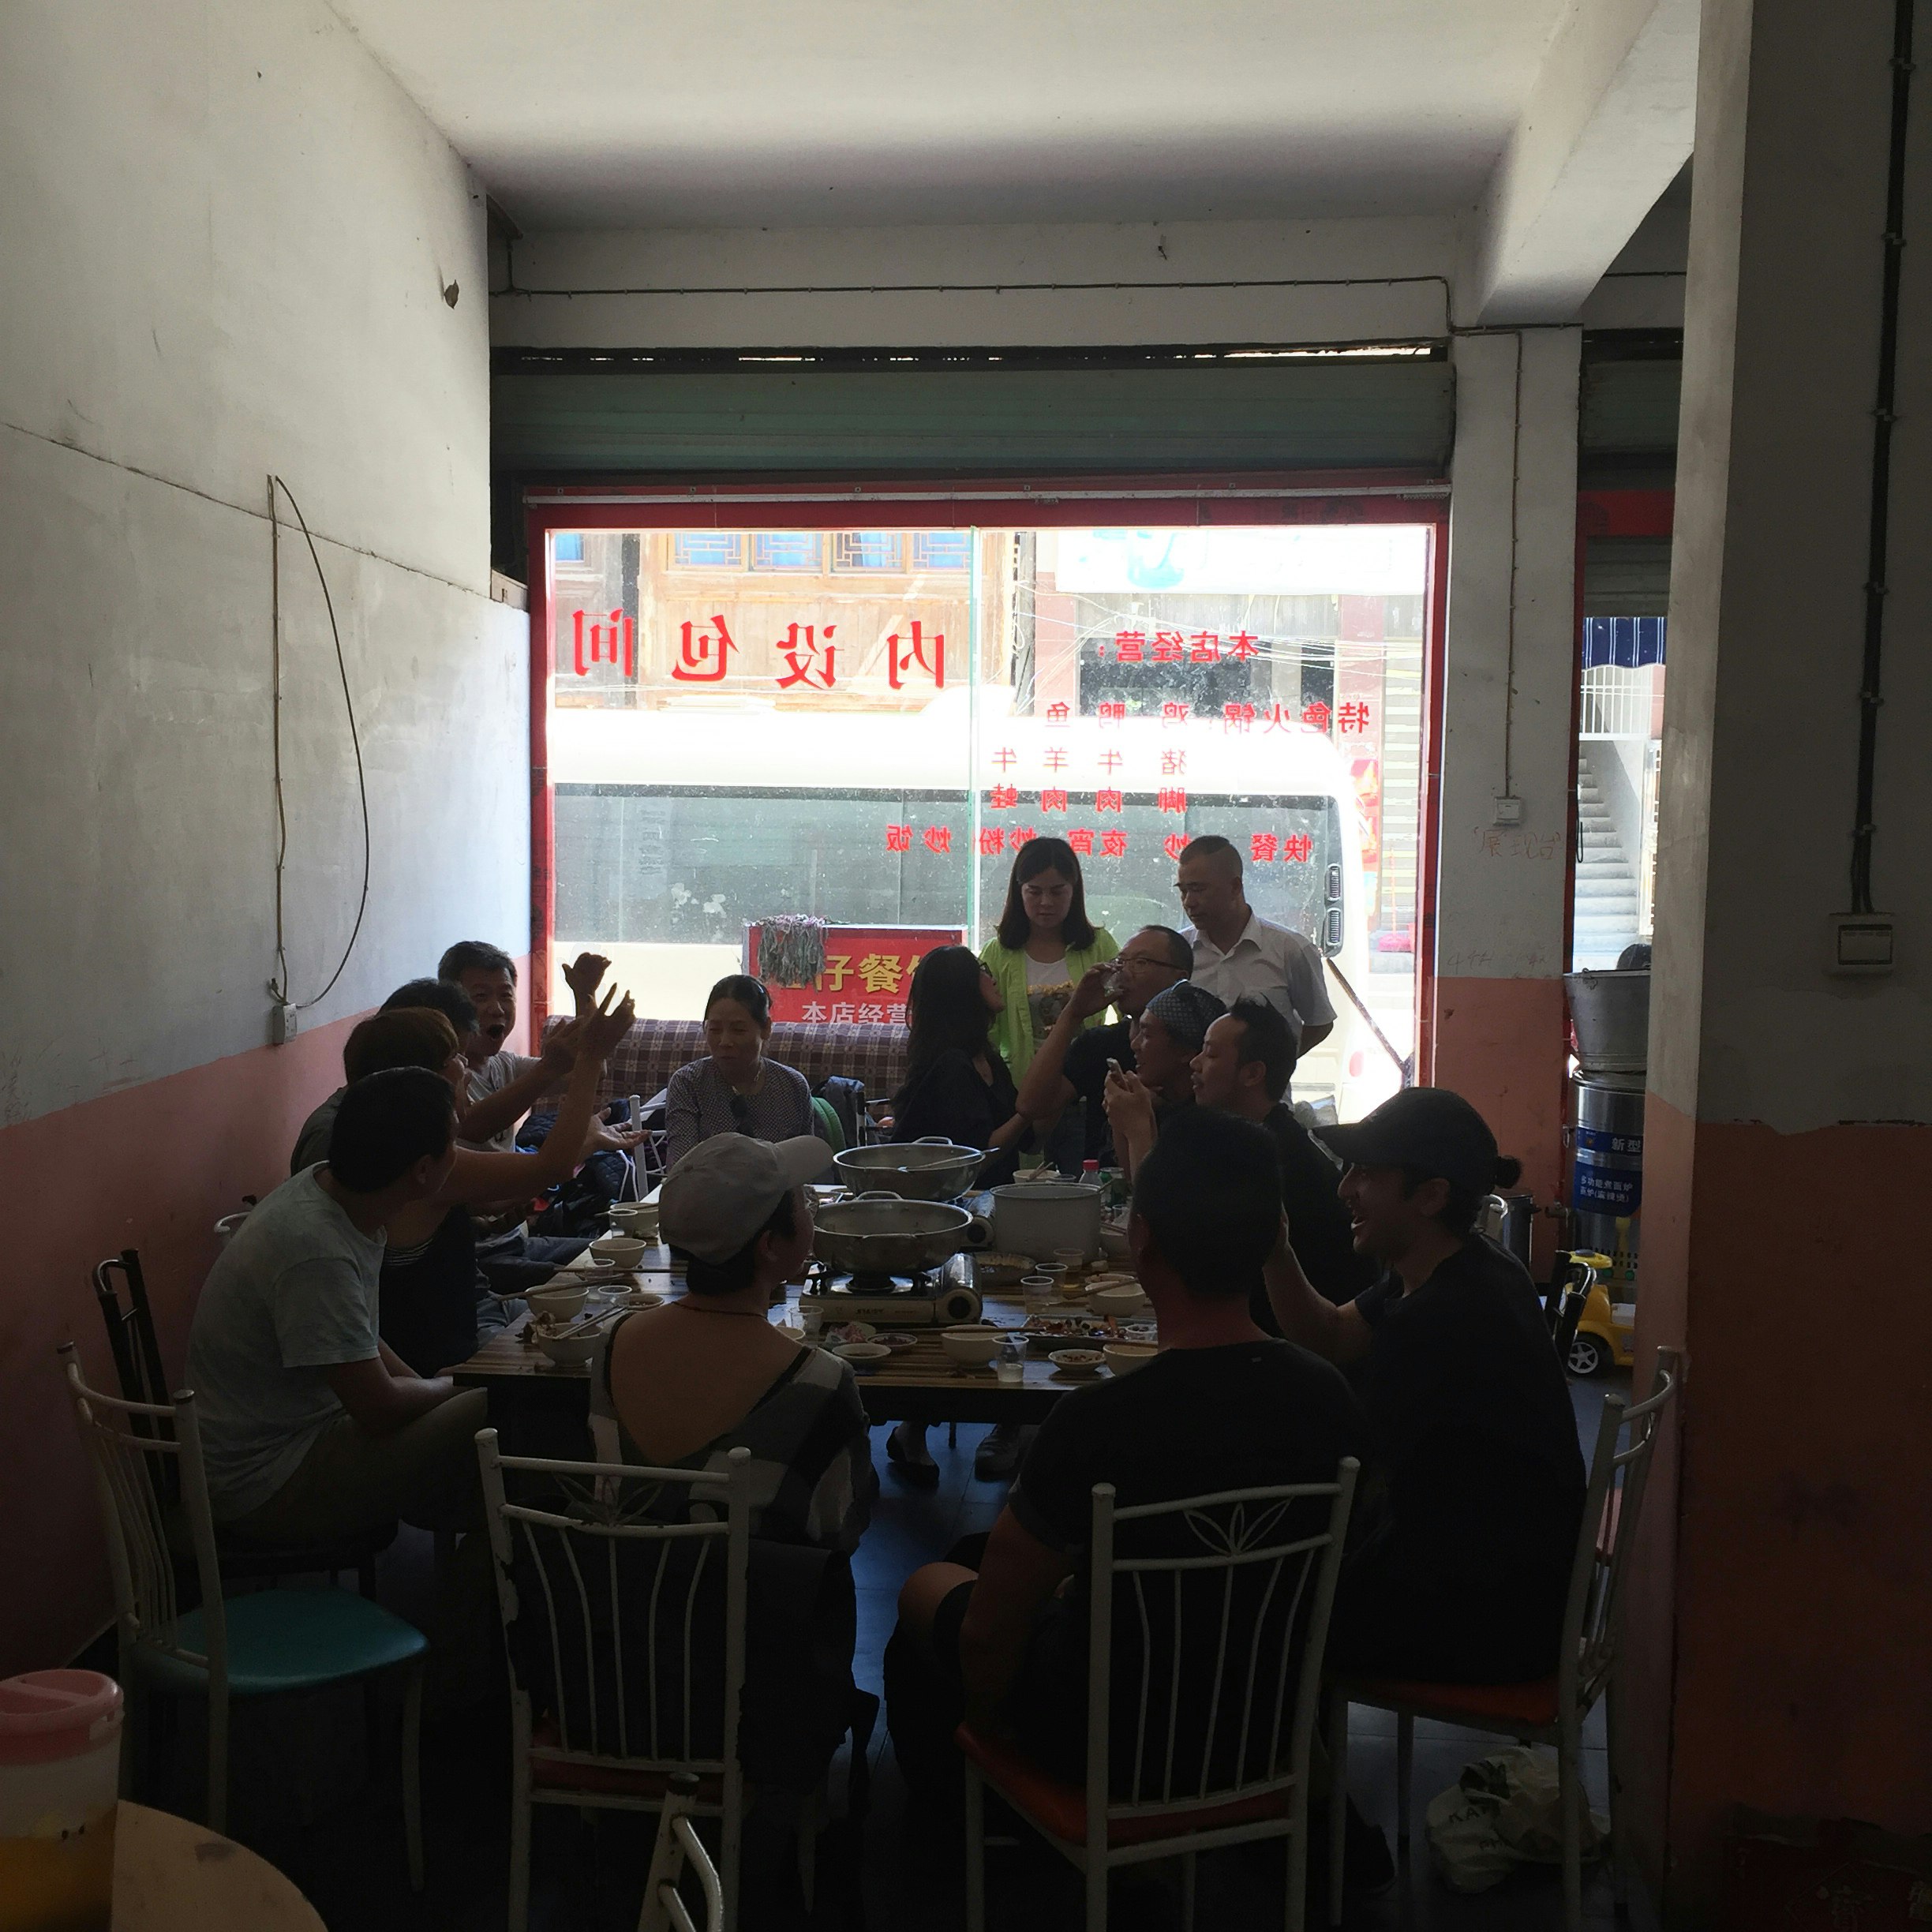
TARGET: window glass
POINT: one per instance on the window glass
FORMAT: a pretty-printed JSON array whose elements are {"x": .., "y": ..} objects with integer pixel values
[
  {"x": 786, "y": 550},
  {"x": 1620, "y": 738},
  {"x": 865, "y": 727}
]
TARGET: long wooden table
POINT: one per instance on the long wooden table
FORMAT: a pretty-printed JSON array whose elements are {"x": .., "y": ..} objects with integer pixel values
[{"x": 921, "y": 1383}]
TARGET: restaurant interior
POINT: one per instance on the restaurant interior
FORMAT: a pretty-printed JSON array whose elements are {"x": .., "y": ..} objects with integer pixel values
[{"x": 567, "y": 572}]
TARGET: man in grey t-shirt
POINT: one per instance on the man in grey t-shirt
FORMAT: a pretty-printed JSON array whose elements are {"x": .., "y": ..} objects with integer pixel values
[{"x": 313, "y": 1429}]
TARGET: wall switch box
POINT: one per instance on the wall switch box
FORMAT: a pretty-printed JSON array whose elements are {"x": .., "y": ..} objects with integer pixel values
[
  {"x": 1509, "y": 811},
  {"x": 282, "y": 1025},
  {"x": 1861, "y": 943}
]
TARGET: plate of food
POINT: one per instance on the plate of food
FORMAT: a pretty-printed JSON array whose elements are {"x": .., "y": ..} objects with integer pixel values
[
  {"x": 1079, "y": 1362},
  {"x": 994, "y": 1266},
  {"x": 896, "y": 1342},
  {"x": 847, "y": 1332},
  {"x": 1052, "y": 1331}
]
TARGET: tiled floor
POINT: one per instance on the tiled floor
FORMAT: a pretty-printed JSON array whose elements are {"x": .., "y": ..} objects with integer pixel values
[{"x": 302, "y": 1798}]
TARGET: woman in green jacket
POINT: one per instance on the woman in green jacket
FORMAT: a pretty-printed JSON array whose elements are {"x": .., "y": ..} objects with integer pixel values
[{"x": 1045, "y": 942}]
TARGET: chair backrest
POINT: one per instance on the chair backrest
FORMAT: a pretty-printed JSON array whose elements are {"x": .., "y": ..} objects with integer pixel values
[
  {"x": 125, "y": 1442},
  {"x": 137, "y": 1354},
  {"x": 603, "y": 1536},
  {"x": 1612, "y": 1508},
  {"x": 1226, "y": 1598}
]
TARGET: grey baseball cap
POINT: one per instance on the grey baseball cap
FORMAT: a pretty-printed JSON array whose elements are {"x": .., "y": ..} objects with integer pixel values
[
  {"x": 1429, "y": 1128},
  {"x": 718, "y": 1196}
]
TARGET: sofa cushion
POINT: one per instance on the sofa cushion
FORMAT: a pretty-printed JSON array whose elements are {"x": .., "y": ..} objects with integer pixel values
[{"x": 654, "y": 1050}]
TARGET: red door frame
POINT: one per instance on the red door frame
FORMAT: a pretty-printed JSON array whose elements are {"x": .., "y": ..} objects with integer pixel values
[{"x": 1157, "y": 501}]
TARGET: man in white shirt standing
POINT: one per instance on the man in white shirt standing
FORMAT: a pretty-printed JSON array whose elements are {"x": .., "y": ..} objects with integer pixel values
[{"x": 1236, "y": 953}]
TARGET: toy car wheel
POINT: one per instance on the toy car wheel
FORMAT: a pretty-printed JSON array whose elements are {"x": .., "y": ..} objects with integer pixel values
[{"x": 1588, "y": 1356}]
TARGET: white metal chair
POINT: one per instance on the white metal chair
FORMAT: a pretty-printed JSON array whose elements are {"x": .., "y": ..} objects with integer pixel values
[
  {"x": 1229, "y": 1594},
  {"x": 613, "y": 1727},
  {"x": 678, "y": 1846},
  {"x": 266, "y": 1643},
  {"x": 1551, "y": 1710}
]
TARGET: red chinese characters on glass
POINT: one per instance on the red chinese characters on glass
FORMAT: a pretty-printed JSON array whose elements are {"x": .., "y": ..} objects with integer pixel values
[
  {"x": 1005, "y": 758},
  {"x": 939, "y": 838},
  {"x": 1297, "y": 847},
  {"x": 1130, "y": 646},
  {"x": 1002, "y": 798},
  {"x": 1111, "y": 713},
  {"x": 1354, "y": 718},
  {"x": 1110, "y": 761},
  {"x": 1018, "y": 837},
  {"x": 599, "y": 638},
  {"x": 1174, "y": 845},
  {"x": 1243, "y": 646},
  {"x": 1081, "y": 838},
  {"x": 813, "y": 665},
  {"x": 1261, "y": 847},
  {"x": 992, "y": 841},
  {"x": 1113, "y": 845},
  {"x": 1170, "y": 798},
  {"x": 1239, "y": 717},
  {"x": 926, "y": 655},
  {"x": 702, "y": 657},
  {"x": 1106, "y": 800},
  {"x": 898, "y": 838},
  {"x": 1204, "y": 647},
  {"x": 1058, "y": 714},
  {"x": 1317, "y": 714},
  {"x": 1176, "y": 713},
  {"x": 1169, "y": 647},
  {"x": 1055, "y": 759},
  {"x": 1053, "y": 800},
  {"x": 1174, "y": 764}
]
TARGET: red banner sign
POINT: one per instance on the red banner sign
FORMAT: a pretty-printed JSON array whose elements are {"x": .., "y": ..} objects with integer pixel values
[{"x": 868, "y": 970}]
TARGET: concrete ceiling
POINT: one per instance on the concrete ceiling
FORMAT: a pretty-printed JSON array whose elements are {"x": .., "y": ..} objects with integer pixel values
[{"x": 751, "y": 113}]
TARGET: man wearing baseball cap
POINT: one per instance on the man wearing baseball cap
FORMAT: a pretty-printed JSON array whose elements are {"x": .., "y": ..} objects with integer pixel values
[{"x": 1477, "y": 1489}]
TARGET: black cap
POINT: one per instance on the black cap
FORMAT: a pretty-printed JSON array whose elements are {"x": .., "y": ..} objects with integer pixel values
[{"x": 1429, "y": 1128}]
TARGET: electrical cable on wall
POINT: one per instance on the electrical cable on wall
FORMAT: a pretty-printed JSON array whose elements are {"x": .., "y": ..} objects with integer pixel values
[
  {"x": 1863, "y": 829},
  {"x": 279, "y": 986}
]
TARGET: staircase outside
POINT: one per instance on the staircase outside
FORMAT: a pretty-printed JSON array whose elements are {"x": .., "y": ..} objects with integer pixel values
[{"x": 1606, "y": 904}]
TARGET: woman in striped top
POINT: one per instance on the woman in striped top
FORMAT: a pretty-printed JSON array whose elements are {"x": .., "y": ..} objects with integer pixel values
[{"x": 734, "y": 1089}]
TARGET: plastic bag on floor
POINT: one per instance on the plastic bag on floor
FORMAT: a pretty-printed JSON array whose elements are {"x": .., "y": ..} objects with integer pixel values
[{"x": 1505, "y": 1810}]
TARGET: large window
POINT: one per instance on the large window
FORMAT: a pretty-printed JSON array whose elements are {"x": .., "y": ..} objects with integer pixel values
[{"x": 865, "y": 727}]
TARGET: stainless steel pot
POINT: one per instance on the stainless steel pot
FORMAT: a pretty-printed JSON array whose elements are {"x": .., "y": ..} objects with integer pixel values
[
  {"x": 882, "y": 1234},
  {"x": 934, "y": 1168}
]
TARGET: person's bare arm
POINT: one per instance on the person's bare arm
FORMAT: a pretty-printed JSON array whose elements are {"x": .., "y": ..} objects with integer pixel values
[
  {"x": 1017, "y": 1578},
  {"x": 1339, "y": 1335},
  {"x": 382, "y": 1400},
  {"x": 1312, "y": 1034},
  {"x": 484, "y": 1119},
  {"x": 1045, "y": 1090},
  {"x": 1130, "y": 1114}
]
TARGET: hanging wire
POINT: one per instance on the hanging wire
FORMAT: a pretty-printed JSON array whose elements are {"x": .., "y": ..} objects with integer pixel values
[{"x": 279, "y": 986}]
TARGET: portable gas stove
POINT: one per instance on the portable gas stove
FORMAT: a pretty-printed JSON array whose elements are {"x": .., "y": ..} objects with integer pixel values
[{"x": 940, "y": 1297}]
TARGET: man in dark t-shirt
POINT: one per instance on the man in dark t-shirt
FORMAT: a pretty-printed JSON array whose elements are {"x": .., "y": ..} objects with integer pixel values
[
  {"x": 1070, "y": 1064},
  {"x": 1243, "y": 1067},
  {"x": 1475, "y": 1498},
  {"x": 1223, "y": 1406}
]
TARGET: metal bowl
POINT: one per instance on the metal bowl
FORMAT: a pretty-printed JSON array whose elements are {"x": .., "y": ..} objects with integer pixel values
[
  {"x": 930, "y": 1170},
  {"x": 885, "y": 1235}
]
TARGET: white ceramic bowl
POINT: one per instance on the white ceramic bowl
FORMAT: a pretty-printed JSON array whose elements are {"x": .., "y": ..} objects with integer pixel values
[
  {"x": 1077, "y": 1360},
  {"x": 1113, "y": 1242},
  {"x": 638, "y": 1219},
  {"x": 619, "y": 1251},
  {"x": 862, "y": 1352},
  {"x": 572, "y": 1351},
  {"x": 1124, "y": 1357},
  {"x": 1118, "y": 1301},
  {"x": 562, "y": 1302},
  {"x": 974, "y": 1346}
]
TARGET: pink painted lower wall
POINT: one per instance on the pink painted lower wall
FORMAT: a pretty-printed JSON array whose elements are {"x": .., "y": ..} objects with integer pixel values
[
  {"x": 1501, "y": 1045},
  {"x": 152, "y": 1167},
  {"x": 1782, "y": 1624}
]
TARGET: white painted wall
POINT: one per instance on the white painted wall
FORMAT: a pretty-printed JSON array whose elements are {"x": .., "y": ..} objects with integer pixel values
[
  {"x": 1767, "y": 567},
  {"x": 1506, "y": 714},
  {"x": 228, "y": 231},
  {"x": 940, "y": 285}
]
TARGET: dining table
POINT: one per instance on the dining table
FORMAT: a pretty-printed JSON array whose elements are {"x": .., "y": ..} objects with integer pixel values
[{"x": 534, "y": 1399}]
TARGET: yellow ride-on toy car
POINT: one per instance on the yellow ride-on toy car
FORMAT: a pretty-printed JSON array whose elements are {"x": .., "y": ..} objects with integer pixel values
[{"x": 1605, "y": 1330}]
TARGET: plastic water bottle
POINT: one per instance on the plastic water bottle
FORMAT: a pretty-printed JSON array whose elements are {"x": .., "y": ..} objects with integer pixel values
[
  {"x": 1009, "y": 1365},
  {"x": 637, "y": 1109},
  {"x": 1090, "y": 1173}
]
